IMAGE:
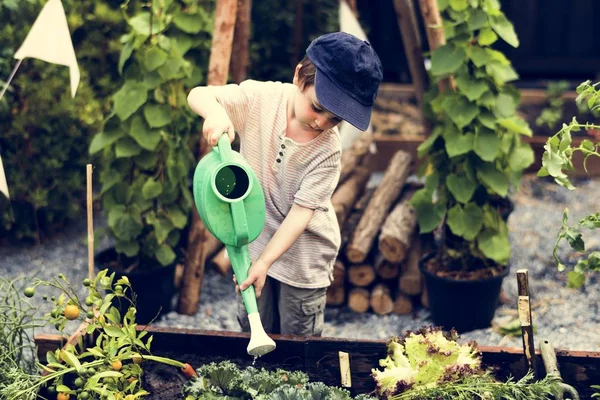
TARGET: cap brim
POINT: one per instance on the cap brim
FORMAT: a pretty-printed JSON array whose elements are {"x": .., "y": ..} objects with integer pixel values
[{"x": 339, "y": 103}]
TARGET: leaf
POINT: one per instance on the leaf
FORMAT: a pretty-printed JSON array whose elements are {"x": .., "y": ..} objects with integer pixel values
[
  {"x": 165, "y": 254},
  {"x": 429, "y": 215},
  {"x": 575, "y": 280},
  {"x": 189, "y": 23},
  {"x": 151, "y": 189},
  {"x": 105, "y": 139},
  {"x": 458, "y": 5},
  {"x": 501, "y": 73},
  {"x": 516, "y": 124},
  {"x": 465, "y": 222},
  {"x": 505, "y": 106},
  {"x": 505, "y": 30},
  {"x": 162, "y": 228},
  {"x": 458, "y": 143},
  {"x": 177, "y": 217},
  {"x": 148, "y": 139},
  {"x": 127, "y": 147},
  {"x": 447, "y": 59},
  {"x": 124, "y": 225},
  {"x": 487, "y": 37},
  {"x": 124, "y": 56},
  {"x": 461, "y": 187},
  {"x": 158, "y": 115},
  {"x": 486, "y": 144},
  {"x": 171, "y": 68},
  {"x": 114, "y": 331},
  {"x": 141, "y": 24},
  {"x": 477, "y": 20},
  {"x": 494, "y": 245},
  {"x": 521, "y": 157},
  {"x": 427, "y": 143},
  {"x": 129, "y": 99},
  {"x": 154, "y": 58},
  {"x": 129, "y": 248},
  {"x": 460, "y": 110},
  {"x": 472, "y": 89},
  {"x": 494, "y": 179},
  {"x": 106, "y": 374},
  {"x": 70, "y": 359},
  {"x": 64, "y": 389},
  {"x": 487, "y": 119},
  {"x": 479, "y": 56}
]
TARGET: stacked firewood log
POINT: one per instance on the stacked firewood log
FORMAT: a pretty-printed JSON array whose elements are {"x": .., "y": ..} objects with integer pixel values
[{"x": 377, "y": 267}]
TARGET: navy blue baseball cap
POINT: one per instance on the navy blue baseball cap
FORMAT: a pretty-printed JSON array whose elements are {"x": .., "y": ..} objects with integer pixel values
[{"x": 348, "y": 76}]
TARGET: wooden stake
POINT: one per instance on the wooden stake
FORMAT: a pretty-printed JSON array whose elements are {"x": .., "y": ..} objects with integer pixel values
[
  {"x": 435, "y": 34},
  {"x": 524, "y": 310},
  {"x": 409, "y": 30},
  {"x": 90, "y": 220},
  {"x": 345, "y": 375},
  {"x": 220, "y": 56},
  {"x": 238, "y": 67}
]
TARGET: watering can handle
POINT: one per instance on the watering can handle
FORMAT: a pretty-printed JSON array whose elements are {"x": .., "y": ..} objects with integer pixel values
[{"x": 223, "y": 148}]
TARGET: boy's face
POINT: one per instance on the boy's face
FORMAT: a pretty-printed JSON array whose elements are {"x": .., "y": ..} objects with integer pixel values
[{"x": 309, "y": 112}]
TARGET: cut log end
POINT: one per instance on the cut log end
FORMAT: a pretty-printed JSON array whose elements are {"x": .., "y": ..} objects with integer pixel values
[
  {"x": 355, "y": 255},
  {"x": 335, "y": 296},
  {"x": 358, "y": 300},
  {"x": 392, "y": 249},
  {"x": 381, "y": 301},
  {"x": 361, "y": 275}
]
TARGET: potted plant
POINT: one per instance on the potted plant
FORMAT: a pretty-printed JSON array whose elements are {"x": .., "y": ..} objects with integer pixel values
[
  {"x": 557, "y": 158},
  {"x": 146, "y": 148},
  {"x": 472, "y": 157}
]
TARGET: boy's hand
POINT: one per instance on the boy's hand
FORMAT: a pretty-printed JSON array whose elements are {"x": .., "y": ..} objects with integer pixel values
[
  {"x": 257, "y": 275},
  {"x": 215, "y": 125}
]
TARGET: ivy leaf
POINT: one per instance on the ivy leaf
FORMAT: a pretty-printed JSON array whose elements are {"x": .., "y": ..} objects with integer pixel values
[
  {"x": 171, "y": 69},
  {"x": 154, "y": 58},
  {"x": 461, "y": 111},
  {"x": 458, "y": 143},
  {"x": 461, "y": 187},
  {"x": 501, "y": 73},
  {"x": 177, "y": 217},
  {"x": 487, "y": 37},
  {"x": 505, "y": 106},
  {"x": 427, "y": 143},
  {"x": 124, "y": 225},
  {"x": 429, "y": 215},
  {"x": 165, "y": 254},
  {"x": 575, "y": 280},
  {"x": 162, "y": 228},
  {"x": 494, "y": 245},
  {"x": 494, "y": 179},
  {"x": 189, "y": 23},
  {"x": 465, "y": 222},
  {"x": 472, "y": 88},
  {"x": 458, "y": 5},
  {"x": 105, "y": 139},
  {"x": 158, "y": 115},
  {"x": 505, "y": 30},
  {"x": 129, "y": 99},
  {"x": 521, "y": 157},
  {"x": 127, "y": 147},
  {"x": 477, "y": 20},
  {"x": 479, "y": 56},
  {"x": 487, "y": 119},
  {"x": 486, "y": 144},
  {"x": 129, "y": 248},
  {"x": 516, "y": 124},
  {"x": 151, "y": 189},
  {"x": 447, "y": 59},
  {"x": 125, "y": 54},
  {"x": 148, "y": 139},
  {"x": 141, "y": 24}
]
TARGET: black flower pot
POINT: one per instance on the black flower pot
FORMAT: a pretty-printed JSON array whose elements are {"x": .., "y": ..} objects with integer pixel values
[
  {"x": 464, "y": 305},
  {"x": 154, "y": 288}
]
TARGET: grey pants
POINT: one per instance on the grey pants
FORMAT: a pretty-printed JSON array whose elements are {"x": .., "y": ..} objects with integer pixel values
[{"x": 287, "y": 310}]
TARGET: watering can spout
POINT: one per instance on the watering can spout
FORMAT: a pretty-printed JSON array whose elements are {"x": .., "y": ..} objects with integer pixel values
[{"x": 231, "y": 203}]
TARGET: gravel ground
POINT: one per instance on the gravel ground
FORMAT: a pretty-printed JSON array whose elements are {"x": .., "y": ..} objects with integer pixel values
[{"x": 568, "y": 318}]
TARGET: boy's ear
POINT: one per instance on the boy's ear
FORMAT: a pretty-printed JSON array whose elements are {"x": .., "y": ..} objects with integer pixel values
[{"x": 296, "y": 80}]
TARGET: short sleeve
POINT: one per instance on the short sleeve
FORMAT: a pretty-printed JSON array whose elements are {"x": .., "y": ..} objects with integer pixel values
[
  {"x": 237, "y": 101},
  {"x": 318, "y": 185}
]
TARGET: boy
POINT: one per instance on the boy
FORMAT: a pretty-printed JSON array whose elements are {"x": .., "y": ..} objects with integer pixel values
[{"x": 288, "y": 136}]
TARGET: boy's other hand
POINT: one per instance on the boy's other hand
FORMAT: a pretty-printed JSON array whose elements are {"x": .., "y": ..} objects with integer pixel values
[
  {"x": 216, "y": 125},
  {"x": 257, "y": 275}
]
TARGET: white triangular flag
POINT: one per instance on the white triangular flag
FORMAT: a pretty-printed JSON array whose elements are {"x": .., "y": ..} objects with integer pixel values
[
  {"x": 49, "y": 40},
  {"x": 3, "y": 185}
]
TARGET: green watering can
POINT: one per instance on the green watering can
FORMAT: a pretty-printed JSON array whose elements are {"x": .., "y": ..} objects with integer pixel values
[{"x": 231, "y": 203}]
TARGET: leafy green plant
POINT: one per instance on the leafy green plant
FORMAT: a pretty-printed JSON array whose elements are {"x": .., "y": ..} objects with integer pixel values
[
  {"x": 111, "y": 368},
  {"x": 474, "y": 154},
  {"x": 225, "y": 380},
  {"x": 553, "y": 113},
  {"x": 556, "y": 161},
  {"x": 45, "y": 132},
  {"x": 430, "y": 364},
  {"x": 146, "y": 142},
  {"x": 597, "y": 389}
]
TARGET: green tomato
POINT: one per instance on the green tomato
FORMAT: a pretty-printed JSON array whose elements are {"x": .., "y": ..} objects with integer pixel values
[{"x": 29, "y": 292}]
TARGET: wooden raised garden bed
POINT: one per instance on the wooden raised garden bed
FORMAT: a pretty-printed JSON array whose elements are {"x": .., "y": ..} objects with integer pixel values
[
  {"x": 399, "y": 100},
  {"x": 320, "y": 357}
]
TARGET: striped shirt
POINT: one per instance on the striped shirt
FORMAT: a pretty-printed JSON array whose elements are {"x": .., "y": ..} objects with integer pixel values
[{"x": 289, "y": 172}]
